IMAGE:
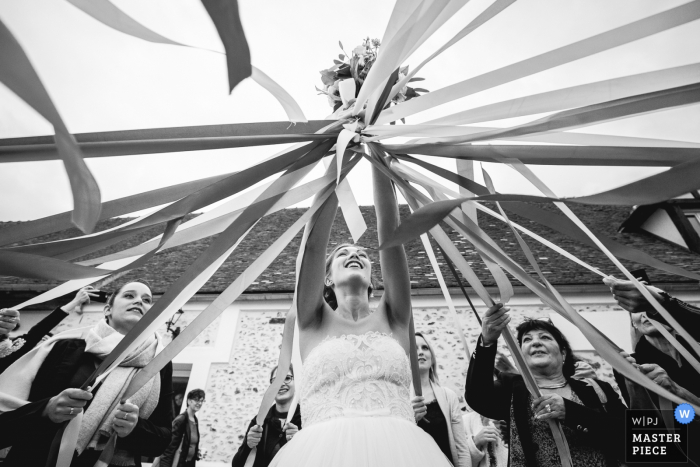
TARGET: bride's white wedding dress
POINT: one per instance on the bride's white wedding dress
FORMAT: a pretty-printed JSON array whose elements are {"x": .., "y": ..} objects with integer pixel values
[{"x": 356, "y": 410}]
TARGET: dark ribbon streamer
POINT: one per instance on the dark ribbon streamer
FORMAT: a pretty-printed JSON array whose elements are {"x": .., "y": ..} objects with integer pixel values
[{"x": 459, "y": 282}]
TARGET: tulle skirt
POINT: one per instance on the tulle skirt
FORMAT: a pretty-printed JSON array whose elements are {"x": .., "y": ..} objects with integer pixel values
[{"x": 361, "y": 442}]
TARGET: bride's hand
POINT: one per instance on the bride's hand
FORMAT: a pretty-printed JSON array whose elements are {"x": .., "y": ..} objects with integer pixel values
[{"x": 419, "y": 408}]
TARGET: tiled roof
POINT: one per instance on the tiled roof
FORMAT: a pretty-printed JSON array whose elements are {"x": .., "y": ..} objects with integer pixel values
[{"x": 166, "y": 267}]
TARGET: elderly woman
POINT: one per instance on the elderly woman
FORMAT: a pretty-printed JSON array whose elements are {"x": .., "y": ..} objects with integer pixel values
[
  {"x": 437, "y": 411},
  {"x": 40, "y": 391},
  {"x": 591, "y": 413}
]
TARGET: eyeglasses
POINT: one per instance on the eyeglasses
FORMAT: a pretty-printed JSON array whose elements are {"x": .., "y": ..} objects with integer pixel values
[
  {"x": 198, "y": 401},
  {"x": 287, "y": 379}
]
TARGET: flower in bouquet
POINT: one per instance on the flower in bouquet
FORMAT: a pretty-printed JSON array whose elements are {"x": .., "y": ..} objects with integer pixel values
[{"x": 355, "y": 66}]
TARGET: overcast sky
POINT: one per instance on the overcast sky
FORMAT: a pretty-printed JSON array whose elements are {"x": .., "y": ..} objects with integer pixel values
[{"x": 103, "y": 80}]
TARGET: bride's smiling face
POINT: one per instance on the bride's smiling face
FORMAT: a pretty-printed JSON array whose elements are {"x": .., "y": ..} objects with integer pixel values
[{"x": 351, "y": 264}]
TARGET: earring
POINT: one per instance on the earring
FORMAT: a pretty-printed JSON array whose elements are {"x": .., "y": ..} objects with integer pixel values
[{"x": 329, "y": 282}]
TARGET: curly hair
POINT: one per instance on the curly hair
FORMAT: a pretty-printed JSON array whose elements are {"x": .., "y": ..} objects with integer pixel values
[
  {"x": 569, "y": 366},
  {"x": 328, "y": 292}
]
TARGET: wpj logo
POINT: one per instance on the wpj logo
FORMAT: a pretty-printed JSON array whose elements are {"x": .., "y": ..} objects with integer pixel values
[
  {"x": 649, "y": 440},
  {"x": 685, "y": 413}
]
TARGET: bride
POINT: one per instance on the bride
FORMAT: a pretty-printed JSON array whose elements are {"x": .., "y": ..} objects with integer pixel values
[{"x": 355, "y": 393}]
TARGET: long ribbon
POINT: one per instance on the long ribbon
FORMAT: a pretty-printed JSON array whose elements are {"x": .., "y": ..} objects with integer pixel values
[
  {"x": 225, "y": 16},
  {"x": 554, "y": 155},
  {"x": 381, "y": 132},
  {"x": 290, "y": 334},
  {"x": 527, "y": 173},
  {"x": 475, "y": 236},
  {"x": 397, "y": 49},
  {"x": 228, "y": 296},
  {"x": 208, "y": 195},
  {"x": 19, "y": 76},
  {"x": 204, "y": 265},
  {"x": 595, "y": 44},
  {"x": 445, "y": 292},
  {"x": 555, "y": 222},
  {"x": 485, "y": 16},
  {"x": 229, "y": 29},
  {"x": 576, "y": 96},
  {"x": 57, "y": 222},
  {"x": 43, "y": 152},
  {"x": 555, "y": 426},
  {"x": 216, "y": 220},
  {"x": 199, "y": 272},
  {"x": 593, "y": 114}
]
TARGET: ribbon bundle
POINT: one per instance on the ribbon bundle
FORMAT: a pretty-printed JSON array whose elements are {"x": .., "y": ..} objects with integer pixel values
[{"x": 359, "y": 132}]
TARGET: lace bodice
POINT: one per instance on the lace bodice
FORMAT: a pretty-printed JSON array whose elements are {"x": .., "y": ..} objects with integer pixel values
[{"x": 355, "y": 375}]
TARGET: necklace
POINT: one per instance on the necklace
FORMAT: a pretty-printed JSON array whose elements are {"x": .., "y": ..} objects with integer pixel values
[{"x": 554, "y": 386}]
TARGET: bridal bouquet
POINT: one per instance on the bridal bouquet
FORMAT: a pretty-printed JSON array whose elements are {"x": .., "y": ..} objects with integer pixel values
[{"x": 342, "y": 82}]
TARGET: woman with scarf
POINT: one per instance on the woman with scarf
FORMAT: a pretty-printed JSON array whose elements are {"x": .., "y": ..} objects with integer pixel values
[
  {"x": 437, "y": 412},
  {"x": 40, "y": 391}
]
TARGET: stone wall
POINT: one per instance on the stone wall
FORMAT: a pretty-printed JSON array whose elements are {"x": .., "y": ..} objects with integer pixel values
[{"x": 235, "y": 389}]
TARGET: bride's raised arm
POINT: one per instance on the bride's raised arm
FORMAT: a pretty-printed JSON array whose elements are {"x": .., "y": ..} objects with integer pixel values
[
  {"x": 312, "y": 272},
  {"x": 397, "y": 285}
]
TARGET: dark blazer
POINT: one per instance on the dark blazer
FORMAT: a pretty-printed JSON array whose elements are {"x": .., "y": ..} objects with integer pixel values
[
  {"x": 261, "y": 458},
  {"x": 69, "y": 366},
  {"x": 687, "y": 315},
  {"x": 181, "y": 428},
  {"x": 683, "y": 375},
  {"x": 33, "y": 337},
  {"x": 599, "y": 425}
]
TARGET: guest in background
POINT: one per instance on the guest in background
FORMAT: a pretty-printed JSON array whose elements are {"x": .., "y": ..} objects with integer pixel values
[
  {"x": 632, "y": 300},
  {"x": 9, "y": 320},
  {"x": 24, "y": 343},
  {"x": 275, "y": 432},
  {"x": 437, "y": 411},
  {"x": 591, "y": 413},
  {"x": 40, "y": 391},
  {"x": 487, "y": 437},
  {"x": 654, "y": 355},
  {"x": 183, "y": 450},
  {"x": 178, "y": 399}
]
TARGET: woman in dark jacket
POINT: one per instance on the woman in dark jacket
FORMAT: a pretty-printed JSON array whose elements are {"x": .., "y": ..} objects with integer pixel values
[
  {"x": 183, "y": 450},
  {"x": 26, "y": 342},
  {"x": 40, "y": 391},
  {"x": 590, "y": 411}
]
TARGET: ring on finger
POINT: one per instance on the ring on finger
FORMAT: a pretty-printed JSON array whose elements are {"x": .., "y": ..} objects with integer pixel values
[
  {"x": 71, "y": 411},
  {"x": 549, "y": 408}
]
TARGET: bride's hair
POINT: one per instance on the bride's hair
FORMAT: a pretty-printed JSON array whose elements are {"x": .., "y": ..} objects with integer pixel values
[
  {"x": 328, "y": 293},
  {"x": 432, "y": 373}
]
